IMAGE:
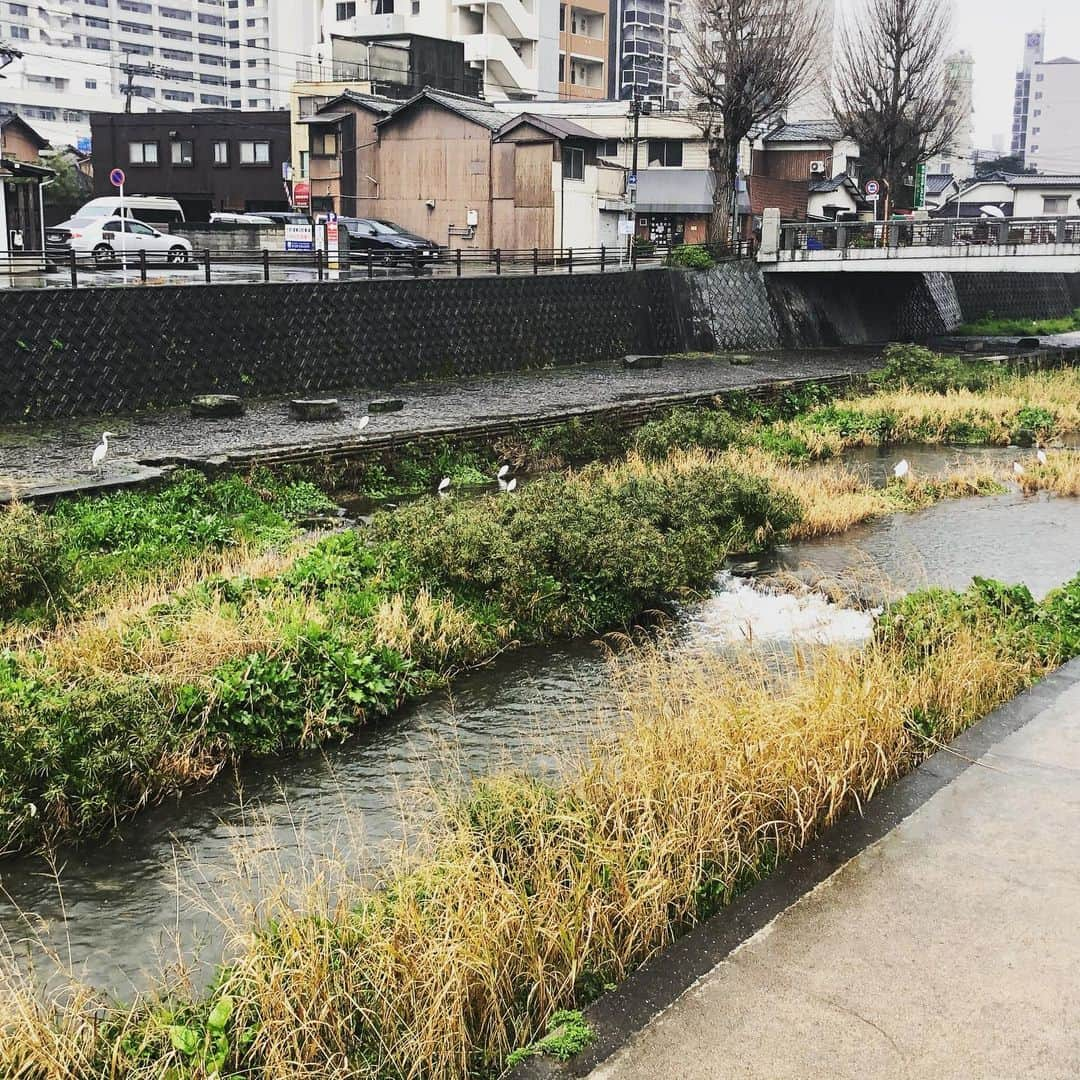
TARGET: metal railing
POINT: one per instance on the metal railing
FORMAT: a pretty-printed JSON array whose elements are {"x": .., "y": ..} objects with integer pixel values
[
  {"x": 61, "y": 268},
  {"x": 962, "y": 236}
]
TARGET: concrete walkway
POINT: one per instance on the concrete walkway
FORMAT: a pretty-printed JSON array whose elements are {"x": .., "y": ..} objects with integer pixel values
[
  {"x": 35, "y": 458},
  {"x": 949, "y": 948}
]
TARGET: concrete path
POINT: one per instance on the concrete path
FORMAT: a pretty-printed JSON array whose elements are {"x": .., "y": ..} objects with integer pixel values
[
  {"x": 949, "y": 948},
  {"x": 43, "y": 456}
]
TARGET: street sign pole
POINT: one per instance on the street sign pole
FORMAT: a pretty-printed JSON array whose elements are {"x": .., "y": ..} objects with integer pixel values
[{"x": 118, "y": 179}]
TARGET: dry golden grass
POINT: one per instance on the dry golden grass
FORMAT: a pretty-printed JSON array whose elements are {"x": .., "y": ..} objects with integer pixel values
[
  {"x": 527, "y": 890},
  {"x": 1060, "y": 475}
]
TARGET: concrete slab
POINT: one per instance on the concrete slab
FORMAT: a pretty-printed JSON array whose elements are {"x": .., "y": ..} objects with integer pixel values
[{"x": 950, "y": 947}]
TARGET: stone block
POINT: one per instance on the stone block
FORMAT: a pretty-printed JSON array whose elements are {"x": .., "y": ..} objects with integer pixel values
[
  {"x": 216, "y": 405},
  {"x": 636, "y": 362},
  {"x": 315, "y": 409},
  {"x": 1028, "y": 342},
  {"x": 385, "y": 405}
]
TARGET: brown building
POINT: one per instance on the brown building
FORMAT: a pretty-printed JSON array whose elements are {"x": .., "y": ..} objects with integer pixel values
[
  {"x": 584, "y": 38},
  {"x": 21, "y": 180}
]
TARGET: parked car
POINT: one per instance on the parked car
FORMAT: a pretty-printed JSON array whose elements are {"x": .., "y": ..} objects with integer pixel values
[
  {"x": 154, "y": 209},
  {"x": 390, "y": 242},
  {"x": 106, "y": 238}
]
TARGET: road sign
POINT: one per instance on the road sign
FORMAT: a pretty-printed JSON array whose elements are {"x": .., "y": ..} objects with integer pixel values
[
  {"x": 920, "y": 187},
  {"x": 873, "y": 188},
  {"x": 117, "y": 178},
  {"x": 631, "y": 180},
  {"x": 301, "y": 193},
  {"x": 626, "y": 226}
]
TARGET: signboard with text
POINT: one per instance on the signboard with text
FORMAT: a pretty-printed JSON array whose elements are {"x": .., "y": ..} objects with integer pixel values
[
  {"x": 299, "y": 237},
  {"x": 301, "y": 193},
  {"x": 920, "y": 187}
]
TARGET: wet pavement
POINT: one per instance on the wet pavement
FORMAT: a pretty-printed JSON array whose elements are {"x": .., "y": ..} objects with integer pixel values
[
  {"x": 947, "y": 948},
  {"x": 38, "y": 457}
]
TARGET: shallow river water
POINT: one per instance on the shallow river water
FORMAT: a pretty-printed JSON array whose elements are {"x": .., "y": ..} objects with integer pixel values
[{"x": 116, "y": 913}]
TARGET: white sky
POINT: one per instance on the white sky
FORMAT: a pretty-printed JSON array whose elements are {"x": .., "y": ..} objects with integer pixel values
[{"x": 993, "y": 32}]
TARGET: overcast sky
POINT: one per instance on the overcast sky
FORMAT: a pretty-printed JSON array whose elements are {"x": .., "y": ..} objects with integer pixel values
[{"x": 993, "y": 32}]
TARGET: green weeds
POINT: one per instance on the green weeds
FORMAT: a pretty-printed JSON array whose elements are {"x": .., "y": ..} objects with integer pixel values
[{"x": 991, "y": 326}]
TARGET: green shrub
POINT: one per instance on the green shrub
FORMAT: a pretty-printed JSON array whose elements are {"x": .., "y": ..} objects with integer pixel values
[
  {"x": 577, "y": 441},
  {"x": 30, "y": 556},
  {"x": 923, "y": 369},
  {"x": 684, "y": 429},
  {"x": 691, "y": 257}
]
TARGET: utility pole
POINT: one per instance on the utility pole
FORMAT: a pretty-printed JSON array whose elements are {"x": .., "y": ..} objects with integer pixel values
[
  {"x": 8, "y": 54},
  {"x": 638, "y": 108},
  {"x": 131, "y": 70}
]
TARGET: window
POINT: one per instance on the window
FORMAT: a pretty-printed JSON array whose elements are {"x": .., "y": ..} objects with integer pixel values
[
  {"x": 177, "y": 54},
  {"x": 416, "y": 7},
  {"x": 178, "y": 95},
  {"x": 1039, "y": 77},
  {"x": 609, "y": 148},
  {"x": 324, "y": 144},
  {"x": 91, "y": 84},
  {"x": 211, "y": 20},
  {"x": 212, "y": 99},
  {"x": 382, "y": 7},
  {"x": 138, "y": 228},
  {"x": 20, "y": 32},
  {"x": 562, "y": 67},
  {"x": 562, "y": 17},
  {"x": 142, "y": 153},
  {"x": 573, "y": 163},
  {"x": 136, "y": 6},
  {"x": 182, "y": 152},
  {"x": 94, "y": 22},
  {"x": 19, "y": 9},
  {"x": 221, "y": 152},
  {"x": 345, "y": 11},
  {"x": 303, "y": 164},
  {"x": 176, "y": 13},
  {"x": 254, "y": 153},
  {"x": 1055, "y": 204},
  {"x": 666, "y": 153}
]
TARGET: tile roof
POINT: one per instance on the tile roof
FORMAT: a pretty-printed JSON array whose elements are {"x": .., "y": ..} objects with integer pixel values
[
  {"x": 805, "y": 131},
  {"x": 558, "y": 126},
  {"x": 936, "y": 183},
  {"x": 479, "y": 112},
  {"x": 830, "y": 183},
  {"x": 370, "y": 101}
]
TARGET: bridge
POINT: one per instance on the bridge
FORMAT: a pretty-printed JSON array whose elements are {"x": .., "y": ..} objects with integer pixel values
[{"x": 985, "y": 245}]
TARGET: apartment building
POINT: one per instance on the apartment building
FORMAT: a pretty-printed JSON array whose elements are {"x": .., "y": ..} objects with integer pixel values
[
  {"x": 181, "y": 55},
  {"x": 957, "y": 160},
  {"x": 584, "y": 48},
  {"x": 649, "y": 50},
  {"x": 513, "y": 44},
  {"x": 1033, "y": 54},
  {"x": 1052, "y": 142}
]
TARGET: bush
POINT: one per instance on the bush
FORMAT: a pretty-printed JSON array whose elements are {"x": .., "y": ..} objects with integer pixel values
[
  {"x": 30, "y": 556},
  {"x": 924, "y": 369},
  {"x": 691, "y": 257},
  {"x": 684, "y": 429}
]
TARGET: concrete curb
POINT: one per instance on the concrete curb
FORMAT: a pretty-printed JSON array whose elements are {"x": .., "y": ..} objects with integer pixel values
[{"x": 619, "y": 1015}]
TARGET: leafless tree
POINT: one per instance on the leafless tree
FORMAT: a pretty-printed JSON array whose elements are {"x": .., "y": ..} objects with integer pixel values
[
  {"x": 744, "y": 62},
  {"x": 892, "y": 91}
]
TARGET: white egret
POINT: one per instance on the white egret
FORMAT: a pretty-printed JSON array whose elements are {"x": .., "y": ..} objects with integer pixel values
[
  {"x": 97, "y": 459},
  {"x": 444, "y": 485},
  {"x": 1018, "y": 469},
  {"x": 511, "y": 485},
  {"x": 1040, "y": 456},
  {"x": 901, "y": 469},
  {"x": 363, "y": 423},
  {"x": 503, "y": 470}
]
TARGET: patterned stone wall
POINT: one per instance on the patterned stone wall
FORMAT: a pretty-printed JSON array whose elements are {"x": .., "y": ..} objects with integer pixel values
[
  {"x": 97, "y": 351},
  {"x": 929, "y": 308},
  {"x": 731, "y": 308},
  {"x": 1013, "y": 296}
]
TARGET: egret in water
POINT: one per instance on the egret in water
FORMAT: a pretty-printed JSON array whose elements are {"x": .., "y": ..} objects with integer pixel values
[
  {"x": 901, "y": 469},
  {"x": 1040, "y": 456},
  {"x": 1018, "y": 469},
  {"x": 364, "y": 421},
  {"x": 444, "y": 485},
  {"x": 511, "y": 485},
  {"x": 97, "y": 459}
]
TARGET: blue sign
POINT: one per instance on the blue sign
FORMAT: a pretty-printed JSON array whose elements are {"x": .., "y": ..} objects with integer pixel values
[
  {"x": 631, "y": 180},
  {"x": 83, "y": 145},
  {"x": 117, "y": 178}
]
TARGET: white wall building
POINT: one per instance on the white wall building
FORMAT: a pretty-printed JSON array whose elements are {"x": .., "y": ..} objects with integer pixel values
[
  {"x": 514, "y": 43},
  {"x": 190, "y": 54},
  {"x": 1053, "y": 124},
  {"x": 959, "y": 159}
]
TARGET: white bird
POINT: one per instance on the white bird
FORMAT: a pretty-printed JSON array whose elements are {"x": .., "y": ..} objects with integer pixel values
[
  {"x": 364, "y": 421},
  {"x": 31, "y": 809},
  {"x": 1018, "y": 469},
  {"x": 901, "y": 469},
  {"x": 444, "y": 485},
  {"x": 102, "y": 448},
  {"x": 503, "y": 470},
  {"x": 1040, "y": 456},
  {"x": 511, "y": 486}
]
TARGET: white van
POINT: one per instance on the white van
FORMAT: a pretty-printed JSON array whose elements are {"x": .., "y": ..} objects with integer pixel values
[{"x": 154, "y": 209}]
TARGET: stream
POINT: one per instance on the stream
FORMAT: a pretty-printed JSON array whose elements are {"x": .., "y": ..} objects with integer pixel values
[{"x": 113, "y": 911}]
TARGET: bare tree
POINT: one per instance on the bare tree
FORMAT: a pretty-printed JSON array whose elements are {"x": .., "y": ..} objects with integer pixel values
[
  {"x": 892, "y": 92},
  {"x": 744, "y": 63}
]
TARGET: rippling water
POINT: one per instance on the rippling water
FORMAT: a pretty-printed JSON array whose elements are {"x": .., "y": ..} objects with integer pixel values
[{"x": 529, "y": 709}]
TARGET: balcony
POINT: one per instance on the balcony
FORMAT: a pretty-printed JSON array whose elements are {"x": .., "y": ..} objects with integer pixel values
[
  {"x": 511, "y": 17},
  {"x": 504, "y": 66}
]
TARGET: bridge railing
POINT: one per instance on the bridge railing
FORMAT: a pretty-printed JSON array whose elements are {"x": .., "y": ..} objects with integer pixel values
[{"x": 881, "y": 239}]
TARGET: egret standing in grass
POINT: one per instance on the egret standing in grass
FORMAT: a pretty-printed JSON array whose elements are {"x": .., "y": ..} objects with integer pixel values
[
  {"x": 901, "y": 469},
  {"x": 444, "y": 487},
  {"x": 364, "y": 421},
  {"x": 501, "y": 476},
  {"x": 97, "y": 459},
  {"x": 1040, "y": 456},
  {"x": 1018, "y": 469},
  {"x": 510, "y": 485}
]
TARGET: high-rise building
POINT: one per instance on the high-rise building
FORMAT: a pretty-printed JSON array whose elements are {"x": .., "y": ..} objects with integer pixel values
[
  {"x": 513, "y": 44},
  {"x": 1033, "y": 53},
  {"x": 1052, "y": 138},
  {"x": 584, "y": 47},
  {"x": 79, "y": 57},
  {"x": 648, "y": 52},
  {"x": 958, "y": 159}
]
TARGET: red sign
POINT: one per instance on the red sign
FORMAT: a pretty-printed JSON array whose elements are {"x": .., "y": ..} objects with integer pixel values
[{"x": 301, "y": 193}]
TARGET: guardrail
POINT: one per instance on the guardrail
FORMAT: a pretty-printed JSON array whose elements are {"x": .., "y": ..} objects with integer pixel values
[
  {"x": 59, "y": 268},
  {"x": 962, "y": 236}
]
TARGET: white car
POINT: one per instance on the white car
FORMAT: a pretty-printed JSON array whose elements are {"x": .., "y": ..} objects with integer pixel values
[{"x": 105, "y": 239}]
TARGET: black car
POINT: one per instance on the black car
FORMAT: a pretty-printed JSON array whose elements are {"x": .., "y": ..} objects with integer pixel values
[{"x": 389, "y": 242}]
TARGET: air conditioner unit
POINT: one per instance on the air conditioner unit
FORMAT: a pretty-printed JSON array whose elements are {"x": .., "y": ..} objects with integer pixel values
[{"x": 817, "y": 167}]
